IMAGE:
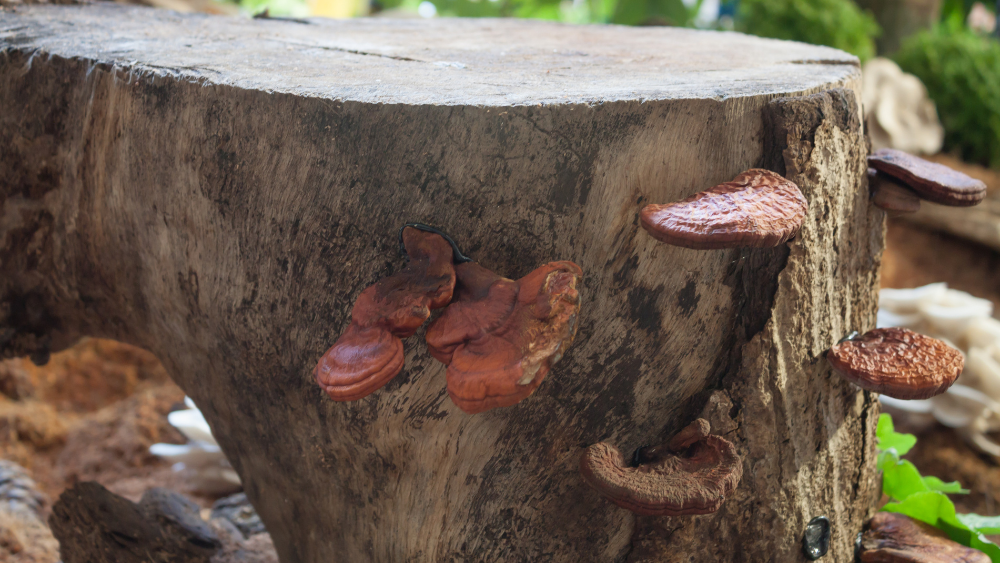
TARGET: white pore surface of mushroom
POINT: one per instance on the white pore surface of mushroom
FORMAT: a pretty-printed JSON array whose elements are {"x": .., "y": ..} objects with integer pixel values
[
  {"x": 207, "y": 469},
  {"x": 897, "y": 109},
  {"x": 972, "y": 405}
]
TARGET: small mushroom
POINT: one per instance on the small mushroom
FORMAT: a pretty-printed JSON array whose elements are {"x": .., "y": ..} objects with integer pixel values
[
  {"x": 499, "y": 337},
  {"x": 931, "y": 181},
  {"x": 370, "y": 352},
  {"x": 897, "y": 538},
  {"x": 758, "y": 208},
  {"x": 692, "y": 474},
  {"x": 897, "y": 362},
  {"x": 888, "y": 194}
]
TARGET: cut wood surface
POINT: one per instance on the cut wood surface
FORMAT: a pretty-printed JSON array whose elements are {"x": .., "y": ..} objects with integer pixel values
[{"x": 219, "y": 191}]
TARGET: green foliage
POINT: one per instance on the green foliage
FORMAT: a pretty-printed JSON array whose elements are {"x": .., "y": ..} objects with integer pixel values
[
  {"x": 664, "y": 12},
  {"x": 836, "y": 23},
  {"x": 924, "y": 498},
  {"x": 961, "y": 70}
]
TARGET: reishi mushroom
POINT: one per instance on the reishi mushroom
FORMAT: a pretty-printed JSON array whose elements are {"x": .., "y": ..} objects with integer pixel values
[
  {"x": 499, "y": 337},
  {"x": 692, "y": 474},
  {"x": 930, "y": 181},
  {"x": 897, "y": 538},
  {"x": 370, "y": 353},
  {"x": 888, "y": 194},
  {"x": 758, "y": 208},
  {"x": 897, "y": 362}
]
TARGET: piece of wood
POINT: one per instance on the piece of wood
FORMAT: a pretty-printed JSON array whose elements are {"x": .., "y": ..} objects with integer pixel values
[
  {"x": 219, "y": 191},
  {"x": 979, "y": 224},
  {"x": 94, "y": 525}
]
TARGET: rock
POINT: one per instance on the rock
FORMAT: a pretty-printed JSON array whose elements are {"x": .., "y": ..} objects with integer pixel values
[
  {"x": 18, "y": 490},
  {"x": 238, "y": 510},
  {"x": 94, "y": 525},
  {"x": 24, "y": 537},
  {"x": 236, "y": 549}
]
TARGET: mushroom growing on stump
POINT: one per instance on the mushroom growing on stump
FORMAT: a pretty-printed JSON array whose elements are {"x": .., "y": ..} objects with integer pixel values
[
  {"x": 930, "y": 181},
  {"x": 897, "y": 538},
  {"x": 758, "y": 208},
  {"x": 692, "y": 474},
  {"x": 888, "y": 194},
  {"x": 500, "y": 337},
  {"x": 370, "y": 351},
  {"x": 897, "y": 362}
]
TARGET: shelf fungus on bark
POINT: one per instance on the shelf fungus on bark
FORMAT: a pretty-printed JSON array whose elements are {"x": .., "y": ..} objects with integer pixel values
[
  {"x": 897, "y": 362},
  {"x": 690, "y": 474},
  {"x": 370, "y": 353},
  {"x": 930, "y": 181},
  {"x": 888, "y": 194},
  {"x": 758, "y": 208},
  {"x": 897, "y": 538},
  {"x": 499, "y": 337}
]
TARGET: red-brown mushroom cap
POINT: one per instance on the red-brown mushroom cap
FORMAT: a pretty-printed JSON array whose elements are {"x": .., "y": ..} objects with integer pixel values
[
  {"x": 500, "y": 337},
  {"x": 888, "y": 194},
  {"x": 695, "y": 480},
  {"x": 897, "y": 538},
  {"x": 758, "y": 208},
  {"x": 897, "y": 362},
  {"x": 931, "y": 181},
  {"x": 370, "y": 353}
]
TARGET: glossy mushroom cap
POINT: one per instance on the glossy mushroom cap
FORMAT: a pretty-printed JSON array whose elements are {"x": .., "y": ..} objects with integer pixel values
[
  {"x": 897, "y": 362},
  {"x": 897, "y": 538},
  {"x": 370, "y": 353},
  {"x": 500, "y": 337},
  {"x": 931, "y": 181},
  {"x": 888, "y": 194},
  {"x": 758, "y": 208},
  {"x": 694, "y": 478}
]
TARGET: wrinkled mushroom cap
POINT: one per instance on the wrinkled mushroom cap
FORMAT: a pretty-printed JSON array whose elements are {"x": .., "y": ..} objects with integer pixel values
[
  {"x": 758, "y": 208},
  {"x": 370, "y": 353},
  {"x": 695, "y": 481},
  {"x": 931, "y": 181},
  {"x": 897, "y": 362},
  {"x": 499, "y": 337},
  {"x": 897, "y": 538}
]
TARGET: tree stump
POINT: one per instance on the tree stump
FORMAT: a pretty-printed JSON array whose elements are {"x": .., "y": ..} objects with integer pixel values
[{"x": 219, "y": 191}]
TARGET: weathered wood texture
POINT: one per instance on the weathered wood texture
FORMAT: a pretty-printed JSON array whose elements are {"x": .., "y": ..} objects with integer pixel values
[{"x": 219, "y": 191}]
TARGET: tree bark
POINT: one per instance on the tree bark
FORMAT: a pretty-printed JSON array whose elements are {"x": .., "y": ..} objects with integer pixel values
[{"x": 219, "y": 191}]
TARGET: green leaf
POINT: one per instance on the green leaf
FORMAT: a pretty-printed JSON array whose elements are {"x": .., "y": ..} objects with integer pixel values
[
  {"x": 981, "y": 524},
  {"x": 888, "y": 438},
  {"x": 935, "y": 484},
  {"x": 936, "y": 509},
  {"x": 901, "y": 479}
]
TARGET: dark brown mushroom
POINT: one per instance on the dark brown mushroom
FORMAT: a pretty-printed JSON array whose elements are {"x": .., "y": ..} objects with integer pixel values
[
  {"x": 370, "y": 352},
  {"x": 888, "y": 194},
  {"x": 758, "y": 208},
  {"x": 931, "y": 181},
  {"x": 692, "y": 474},
  {"x": 897, "y": 538},
  {"x": 500, "y": 337},
  {"x": 897, "y": 362}
]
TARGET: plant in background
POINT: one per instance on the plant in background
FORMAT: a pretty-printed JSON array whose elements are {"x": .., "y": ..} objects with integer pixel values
[
  {"x": 836, "y": 23},
  {"x": 924, "y": 498},
  {"x": 961, "y": 70}
]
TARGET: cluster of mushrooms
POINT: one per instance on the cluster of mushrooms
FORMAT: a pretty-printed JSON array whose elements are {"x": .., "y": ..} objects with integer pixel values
[{"x": 499, "y": 337}]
